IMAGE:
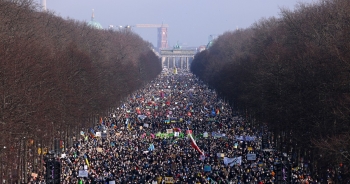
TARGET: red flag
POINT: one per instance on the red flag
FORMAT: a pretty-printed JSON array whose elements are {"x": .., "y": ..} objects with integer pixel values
[{"x": 194, "y": 145}]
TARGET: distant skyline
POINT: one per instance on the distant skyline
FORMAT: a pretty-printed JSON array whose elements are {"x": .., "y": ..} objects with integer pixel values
[{"x": 191, "y": 22}]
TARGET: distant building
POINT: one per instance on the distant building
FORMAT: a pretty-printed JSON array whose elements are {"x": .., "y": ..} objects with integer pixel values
[{"x": 93, "y": 23}]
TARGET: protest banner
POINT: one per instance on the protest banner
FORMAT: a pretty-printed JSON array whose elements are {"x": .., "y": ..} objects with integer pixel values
[
  {"x": 104, "y": 135},
  {"x": 169, "y": 180},
  {"x": 207, "y": 168},
  {"x": 83, "y": 174},
  {"x": 251, "y": 156},
  {"x": 233, "y": 161},
  {"x": 217, "y": 134}
]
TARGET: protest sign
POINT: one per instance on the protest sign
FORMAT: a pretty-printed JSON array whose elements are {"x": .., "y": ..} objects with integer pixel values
[
  {"x": 104, "y": 135},
  {"x": 169, "y": 180},
  {"x": 207, "y": 168},
  {"x": 232, "y": 161},
  {"x": 83, "y": 174},
  {"x": 251, "y": 156}
]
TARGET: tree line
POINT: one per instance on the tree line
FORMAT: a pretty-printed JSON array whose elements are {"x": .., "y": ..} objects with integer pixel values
[
  {"x": 58, "y": 75},
  {"x": 293, "y": 74}
]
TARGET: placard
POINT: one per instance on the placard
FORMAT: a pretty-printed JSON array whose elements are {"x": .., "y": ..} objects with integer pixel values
[
  {"x": 98, "y": 134},
  {"x": 104, "y": 135},
  {"x": 169, "y": 131},
  {"x": 205, "y": 134},
  {"x": 220, "y": 154},
  {"x": 83, "y": 174},
  {"x": 251, "y": 156},
  {"x": 207, "y": 168},
  {"x": 169, "y": 180},
  {"x": 145, "y": 125},
  {"x": 176, "y": 134},
  {"x": 99, "y": 150}
]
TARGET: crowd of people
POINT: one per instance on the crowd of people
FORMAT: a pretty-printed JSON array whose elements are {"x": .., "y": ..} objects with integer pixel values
[{"x": 176, "y": 130}]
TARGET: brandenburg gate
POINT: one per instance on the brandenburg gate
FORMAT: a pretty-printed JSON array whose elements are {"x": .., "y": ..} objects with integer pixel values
[{"x": 177, "y": 58}]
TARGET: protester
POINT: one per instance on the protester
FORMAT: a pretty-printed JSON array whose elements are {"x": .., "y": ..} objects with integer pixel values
[{"x": 174, "y": 130}]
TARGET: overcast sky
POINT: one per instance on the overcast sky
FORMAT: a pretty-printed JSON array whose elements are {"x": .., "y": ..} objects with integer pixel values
[{"x": 191, "y": 22}]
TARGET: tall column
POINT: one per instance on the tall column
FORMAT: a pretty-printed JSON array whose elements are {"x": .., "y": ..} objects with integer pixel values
[
  {"x": 163, "y": 60},
  {"x": 181, "y": 62},
  {"x": 187, "y": 64},
  {"x": 168, "y": 62}
]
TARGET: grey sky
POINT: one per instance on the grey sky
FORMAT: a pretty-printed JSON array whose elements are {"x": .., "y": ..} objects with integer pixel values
[{"x": 190, "y": 21}]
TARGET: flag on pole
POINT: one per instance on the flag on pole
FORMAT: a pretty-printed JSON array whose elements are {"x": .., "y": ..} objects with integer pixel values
[
  {"x": 92, "y": 133},
  {"x": 87, "y": 162},
  {"x": 194, "y": 145}
]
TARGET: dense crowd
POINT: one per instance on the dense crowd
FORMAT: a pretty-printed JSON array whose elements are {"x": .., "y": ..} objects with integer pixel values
[{"x": 176, "y": 130}]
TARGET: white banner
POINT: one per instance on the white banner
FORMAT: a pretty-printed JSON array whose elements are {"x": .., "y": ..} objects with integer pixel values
[
  {"x": 83, "y": 174},
  {"x": 245, "y": 138},
  {"x": 251, "y": 156},
  {"x": 232, "y": 161}
]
